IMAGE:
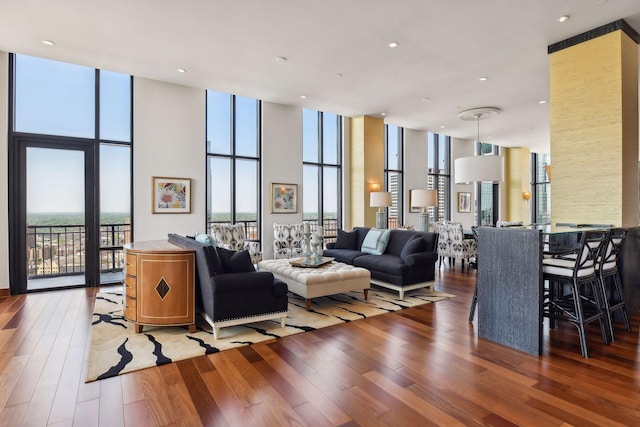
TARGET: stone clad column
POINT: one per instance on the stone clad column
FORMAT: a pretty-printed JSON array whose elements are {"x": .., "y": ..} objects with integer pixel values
[{"x": 594, "y": 127}]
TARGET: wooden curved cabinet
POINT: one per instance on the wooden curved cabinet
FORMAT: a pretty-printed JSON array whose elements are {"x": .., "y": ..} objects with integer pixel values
[{"x": 159, "y": 284}]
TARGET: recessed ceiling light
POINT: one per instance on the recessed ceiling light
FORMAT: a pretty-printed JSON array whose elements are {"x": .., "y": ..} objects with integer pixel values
[
  {"x": 281, "y": 59},
  {"x": 542, "y": 101},
  {"x": 339, "y": 75},
  {"x": 394, "y": 44},
  {"x": 442, "y": 126},
  {"x": 181, "y": 70},
  {"x": 563, "y": 18},
  {"x": 425, "y": 98},
  {"x": 303, "y": 96},
  {"x": 383, "y": 114},
  {"x": 483, "y": 79},
  {"x": 48, "y": 42}
]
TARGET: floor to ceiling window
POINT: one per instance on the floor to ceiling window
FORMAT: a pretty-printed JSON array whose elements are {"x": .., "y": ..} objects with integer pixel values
[
  {"x": 393, "y": 179},
  {"x": 541, "y": 185},
  {"x": 233, "y": 162},
  {"x": 439, "y": 174},
  {"x": 322, "y": 171},
  {"x": 69, "y": 174}
]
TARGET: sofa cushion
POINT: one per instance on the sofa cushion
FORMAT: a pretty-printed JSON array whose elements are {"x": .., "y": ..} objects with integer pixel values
[
  {"x": 342, "y": 255},
  {"x": 235, "y": 261},
  {"x": 414, "y": 245},
  {"x": 375, "y": 242},
  {"x": 346, "y": 240},
  {"x": 391, "y": 264}
]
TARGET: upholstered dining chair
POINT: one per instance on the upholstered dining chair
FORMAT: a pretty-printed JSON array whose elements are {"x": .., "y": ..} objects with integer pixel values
[
  {"x": 443, "y": 241},
  {"x": 460, "y": 248}
]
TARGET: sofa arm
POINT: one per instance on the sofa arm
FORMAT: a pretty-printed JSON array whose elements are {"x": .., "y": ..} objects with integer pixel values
[{"x": 234, "y": 282}]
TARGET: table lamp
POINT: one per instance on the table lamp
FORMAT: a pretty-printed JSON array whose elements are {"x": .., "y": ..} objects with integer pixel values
[
  {"x": 380, "y": 200},
  {"x": 424, "y": 199}
]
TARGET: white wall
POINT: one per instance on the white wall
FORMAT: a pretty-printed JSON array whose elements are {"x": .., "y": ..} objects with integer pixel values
[
  {"x": 169, "y": 140},
  {"x": 4, "y": 171},
  {"x": 415, "y": 169},
  {"x": 281, "y": 163},
  {"x": 461, "y": 148}
]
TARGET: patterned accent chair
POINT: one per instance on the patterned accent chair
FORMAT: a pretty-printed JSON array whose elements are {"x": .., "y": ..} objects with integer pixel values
[
  {"x": 288, "y": 240},
  {"x": 460, "y": 247},
  {"x": 444, "y": 243},
  {"x": 232, "y": 237}
]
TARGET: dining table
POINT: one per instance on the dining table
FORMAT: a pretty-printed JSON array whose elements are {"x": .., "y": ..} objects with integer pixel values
[{"x": 510, "y": 281}]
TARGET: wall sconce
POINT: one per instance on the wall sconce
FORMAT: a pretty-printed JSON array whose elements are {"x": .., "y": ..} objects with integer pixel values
[
  {"x": 526, "y": 196},
  {"x": 374, "y": 186}
]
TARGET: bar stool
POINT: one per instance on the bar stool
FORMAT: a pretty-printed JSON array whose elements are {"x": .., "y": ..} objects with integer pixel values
[
  {"x": 607, "y": 270},
  {"x": 583, "y": 303}
]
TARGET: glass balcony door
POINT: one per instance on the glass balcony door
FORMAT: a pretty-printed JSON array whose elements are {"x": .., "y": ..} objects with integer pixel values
[{"x": 55, "y": 221}]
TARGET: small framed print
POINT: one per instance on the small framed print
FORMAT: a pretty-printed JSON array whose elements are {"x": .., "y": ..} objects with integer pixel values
[
  {"x": 171, "y": 195},
  {"x": 464, "y": 202},
  {"x": 284, "y": 198}
]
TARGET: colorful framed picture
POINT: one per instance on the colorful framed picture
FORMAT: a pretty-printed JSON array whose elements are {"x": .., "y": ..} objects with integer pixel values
[
  {"x": 171, "y": 195},
  {"x": 464, "y": 202},
  {"x": 284, "y": 198}
]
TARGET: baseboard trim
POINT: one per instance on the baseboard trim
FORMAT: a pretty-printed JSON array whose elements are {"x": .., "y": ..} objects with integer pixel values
[{"x": 5, "y": 293}]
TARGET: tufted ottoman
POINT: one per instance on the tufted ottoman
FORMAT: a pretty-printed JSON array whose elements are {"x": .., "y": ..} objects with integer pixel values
[{"x": 329, "y": 279}]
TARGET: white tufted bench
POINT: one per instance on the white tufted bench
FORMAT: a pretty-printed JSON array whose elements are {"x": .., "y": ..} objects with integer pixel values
[{"x": 329, "y": 279}]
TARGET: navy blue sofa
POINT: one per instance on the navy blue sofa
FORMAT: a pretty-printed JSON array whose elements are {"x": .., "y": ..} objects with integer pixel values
[
  {"x": 407, "y": 263},
  {"x": 227, "y": 298}
]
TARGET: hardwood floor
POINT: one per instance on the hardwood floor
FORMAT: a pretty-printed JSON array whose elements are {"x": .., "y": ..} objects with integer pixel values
[{"x": 420, "y": 366}]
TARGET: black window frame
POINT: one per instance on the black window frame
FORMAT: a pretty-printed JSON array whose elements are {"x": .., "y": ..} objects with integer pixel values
[
  {"x": 399, "y": 194},
  {"x": 435, "y": 178}
]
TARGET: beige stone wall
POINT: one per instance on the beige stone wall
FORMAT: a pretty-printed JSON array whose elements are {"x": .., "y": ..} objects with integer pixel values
[
  {"x": 367, "y": 167},
  {"x": 594, "y": 131}
]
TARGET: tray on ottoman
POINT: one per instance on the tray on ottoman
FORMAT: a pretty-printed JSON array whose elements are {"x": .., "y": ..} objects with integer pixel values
[{"x": 309, "y": 263}]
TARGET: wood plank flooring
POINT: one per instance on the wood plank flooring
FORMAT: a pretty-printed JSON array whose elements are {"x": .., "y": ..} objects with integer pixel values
[{"x": 420, "y": 366}]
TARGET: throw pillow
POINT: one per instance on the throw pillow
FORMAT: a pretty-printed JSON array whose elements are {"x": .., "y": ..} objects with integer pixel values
[
  {"x": 205, "y": 239},
  {"x": 414, "y": 245},
  {"x": 213, "y": 260},
  {"x": 375, "y": 242},
  {"x": 346, "y": 240},
  {"x": 235, "y": 261}
]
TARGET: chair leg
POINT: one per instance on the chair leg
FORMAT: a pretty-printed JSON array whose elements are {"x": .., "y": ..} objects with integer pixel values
[
  {"x": 602, "y": 281},
  {"x": 577, "y": 305},
  {"x": 474, "y": 303},
  {"x": 622, "y": 306},
  {"x": 605, "y": 325}
]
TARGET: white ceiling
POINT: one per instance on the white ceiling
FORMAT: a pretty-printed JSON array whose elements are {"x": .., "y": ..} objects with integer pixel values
[{"x": 231, "y": 46}]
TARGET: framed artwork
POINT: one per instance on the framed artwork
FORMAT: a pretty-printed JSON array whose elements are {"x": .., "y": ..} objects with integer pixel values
[
  {"x": 464, "y": 202},
  {"x": 284, "y": 198},
  {"x": 413, "y": 209},
  {"x": 170, "y": 195}
]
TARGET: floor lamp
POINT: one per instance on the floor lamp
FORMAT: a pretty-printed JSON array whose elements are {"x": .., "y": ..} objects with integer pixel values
[
  {"x": 424, "y": 199},
  {"x": 380, "y": 200}
]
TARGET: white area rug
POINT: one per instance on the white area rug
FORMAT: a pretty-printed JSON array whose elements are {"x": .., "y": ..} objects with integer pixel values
[{"x": 116, "y": 349}]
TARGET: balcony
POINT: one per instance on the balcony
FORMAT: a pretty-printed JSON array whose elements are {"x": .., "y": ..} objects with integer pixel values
[{"x": 56, "y": 254}]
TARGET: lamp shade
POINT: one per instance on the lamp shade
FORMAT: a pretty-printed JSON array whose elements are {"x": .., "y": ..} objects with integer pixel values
[
  {"x": 379, "y": 199},
  {"x": 479, "y": 169},
  {"x": 424, "y": 198}
]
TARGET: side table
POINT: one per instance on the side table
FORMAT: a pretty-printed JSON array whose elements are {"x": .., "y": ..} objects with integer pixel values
[{"x": 159, "y": 284}]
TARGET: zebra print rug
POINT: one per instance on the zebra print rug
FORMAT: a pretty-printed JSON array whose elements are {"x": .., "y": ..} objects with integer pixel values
[{"x": 116, "y": 349}]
